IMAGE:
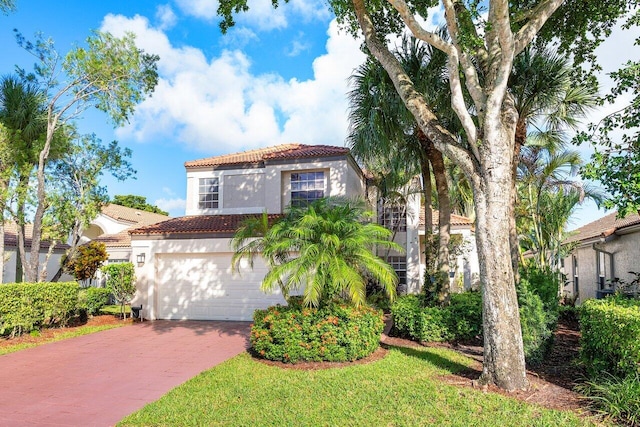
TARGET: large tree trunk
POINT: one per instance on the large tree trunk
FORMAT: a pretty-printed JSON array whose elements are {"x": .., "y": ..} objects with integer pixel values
[
  {"x": 444, "y": 222},
  {"x": 504, "y": 363},
  {"x": 487, "y": 162}
]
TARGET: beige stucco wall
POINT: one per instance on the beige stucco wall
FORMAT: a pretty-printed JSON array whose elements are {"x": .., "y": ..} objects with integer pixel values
[
  {"x": 243, "y": 191},
  {"x": 9, "y": 274},
  {"x": 255, "y": 190},
  {"x": 626, "y": 257}
]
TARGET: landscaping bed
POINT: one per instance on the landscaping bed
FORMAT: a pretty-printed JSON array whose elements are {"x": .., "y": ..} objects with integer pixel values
[{"x": 76, "y": 327}]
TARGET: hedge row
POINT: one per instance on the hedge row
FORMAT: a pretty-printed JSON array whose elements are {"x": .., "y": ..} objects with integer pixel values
[
  {"x": 462, "y": 320},
  {"x": 28, "y": 306},
  {"x": 336, "y": 332},
  {"x": 611, "y": 336}
]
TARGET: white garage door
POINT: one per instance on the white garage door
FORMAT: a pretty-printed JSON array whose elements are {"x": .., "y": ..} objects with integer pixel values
[{"x": 203, "y": 287}]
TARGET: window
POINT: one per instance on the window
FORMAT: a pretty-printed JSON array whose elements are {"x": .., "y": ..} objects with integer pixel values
[
  {"x": 306, "y": 187},
  {"x": 392, "y": 217},
  {"x": 208, "y": 193},
  {"x": 399, "y": 264}
]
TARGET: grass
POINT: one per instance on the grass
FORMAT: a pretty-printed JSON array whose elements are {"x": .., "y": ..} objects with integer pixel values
[
  {"x": 400, "y": 390},
  {"x": 59, "y": 336},
  {"x": 115, "y": 309}
]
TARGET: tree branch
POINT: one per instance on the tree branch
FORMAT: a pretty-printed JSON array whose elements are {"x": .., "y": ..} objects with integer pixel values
[
  {"x": 539, "y": 15},
  {"x": 414, "y": 101}
]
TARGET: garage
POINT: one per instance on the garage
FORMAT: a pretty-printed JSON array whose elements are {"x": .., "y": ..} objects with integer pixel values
[{"x": 194, "y": 286}]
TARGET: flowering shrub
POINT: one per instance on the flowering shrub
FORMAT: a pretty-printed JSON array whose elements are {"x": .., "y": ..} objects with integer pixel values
[{"x": 336, "y": 332}]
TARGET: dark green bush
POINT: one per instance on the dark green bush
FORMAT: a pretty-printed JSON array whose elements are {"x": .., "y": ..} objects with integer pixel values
[
  {"x": 423, "y": 324},
  {"x": 93, "y": 299},
  {"x": 539, "y": 310},
  {"x": 611, "y": 336},
  {"x": 336, "y": 332},
  {"x": 28, "y": 306},
  {"x": 379, "y": 300},
  {"x": 465, "y": 315}
]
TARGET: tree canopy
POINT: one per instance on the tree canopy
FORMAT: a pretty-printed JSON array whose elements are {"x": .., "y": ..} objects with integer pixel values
[{"x": 137, "y": 202}]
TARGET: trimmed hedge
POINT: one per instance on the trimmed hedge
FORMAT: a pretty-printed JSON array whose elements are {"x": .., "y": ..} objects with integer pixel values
[
  {"x": 28, "y": 306},
  {"x": 93, "y": 299},
  {"x": 462, "y": 320},
  {"x": 413, "y": 321},
  {"x": 611, "y": 336},
  {"x": 336, "y": 332}
]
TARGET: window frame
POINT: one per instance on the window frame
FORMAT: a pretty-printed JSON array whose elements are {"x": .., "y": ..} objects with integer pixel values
[
  {"x": 392, "y": 216},
  {"x": 301, "y": 183},
  {"x": 203, "y": 183}
]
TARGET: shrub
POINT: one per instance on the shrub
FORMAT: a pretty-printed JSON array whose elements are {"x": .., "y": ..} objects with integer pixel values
[
  {"x": 336, "y": 332},
  {"x": 121, "y": 281},
  {"x": 379, "y": 300},
  {"x": 536, "y": 323},
  {"x": 539, "y": 310},
  {"x": 28, "y": 306},
  {"x": 616, "y": 397},
  {"x": 93, "y": 299},
  {"x": 611, "y": 336},
  {"x": 413, "y": 321},
  {"x": 465, "y": 315}
]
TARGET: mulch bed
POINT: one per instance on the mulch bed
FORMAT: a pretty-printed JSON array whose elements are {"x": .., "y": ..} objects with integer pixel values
[
  {"x": 551, "y": 383},
  {"x": 49, "y": 333}
]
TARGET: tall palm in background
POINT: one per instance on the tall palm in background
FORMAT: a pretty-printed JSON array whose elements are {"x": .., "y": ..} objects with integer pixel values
[
  {"x": 549, "y": 106},
  {"x": 23, "y": 117},
  {"x": 382, "y": 131}
]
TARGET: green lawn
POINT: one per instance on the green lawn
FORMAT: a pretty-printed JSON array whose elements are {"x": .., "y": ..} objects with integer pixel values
[
  {"x": 115, "y": 309},
  {"x": 399, "y": 390}
]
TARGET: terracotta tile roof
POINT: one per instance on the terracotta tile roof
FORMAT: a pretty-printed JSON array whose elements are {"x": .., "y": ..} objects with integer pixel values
[
  {"x": 198, "y": 224},
  {"x": 603, "y": 227},
  {"x": 134, "y": 216},
  {"x": 11, "y": 237},
  {"x": 260, "y": 155},
  {"x": 117, "y": 240},
  {"x": 457, "y": 220}
]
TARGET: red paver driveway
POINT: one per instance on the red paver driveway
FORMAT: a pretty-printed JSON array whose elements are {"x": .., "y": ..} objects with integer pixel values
[{"x": 97, "y": 379}]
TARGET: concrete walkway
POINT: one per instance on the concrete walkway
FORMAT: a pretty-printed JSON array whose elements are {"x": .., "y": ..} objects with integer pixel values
[{"x": 97, "y": 379}]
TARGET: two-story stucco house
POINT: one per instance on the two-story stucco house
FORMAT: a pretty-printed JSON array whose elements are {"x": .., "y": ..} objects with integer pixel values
[{"x": 183, "y": 265}]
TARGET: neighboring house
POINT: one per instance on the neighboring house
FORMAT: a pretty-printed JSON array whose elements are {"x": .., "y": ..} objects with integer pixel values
[
  {"x": 602, "y": 250},
  {"x": 183, "y": 265},
  {"x": 112, "y": 227},
  {"x": 12, "y": 265}
]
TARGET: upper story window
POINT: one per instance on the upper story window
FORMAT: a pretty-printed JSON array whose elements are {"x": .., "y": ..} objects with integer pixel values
[
  {"x": 392, "y": 216},
  {"x": 306, "y": 187},
  {"x": 208, "y": 193}
]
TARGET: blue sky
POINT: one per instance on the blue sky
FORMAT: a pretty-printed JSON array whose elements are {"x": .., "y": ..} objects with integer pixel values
[{"x": 278, "y": 76}]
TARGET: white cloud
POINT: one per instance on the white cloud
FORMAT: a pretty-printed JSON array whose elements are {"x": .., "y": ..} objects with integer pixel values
[
  {"x": 238, "y": 37},
  {"x": 166, "y": 17},
  {"x": 298, "y": 45},
  {"x": 261, "y": 14},
  {"x": 217, "y": 105},
  {"x": 175, "y": 207}
]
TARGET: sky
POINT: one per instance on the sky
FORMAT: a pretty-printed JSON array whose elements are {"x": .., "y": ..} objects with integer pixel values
[{"x": 279, "y": 76}]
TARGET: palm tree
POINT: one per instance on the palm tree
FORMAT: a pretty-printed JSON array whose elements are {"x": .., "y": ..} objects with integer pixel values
[
  {"x": 329, "y": 252},
  {"x": 548, "y": 193},
  {"x": 250, "y": 240},
  {"x": 23, "y": 116},
  {"x": 548, "y": 104},
  {"x": 383, "y": 128}
]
